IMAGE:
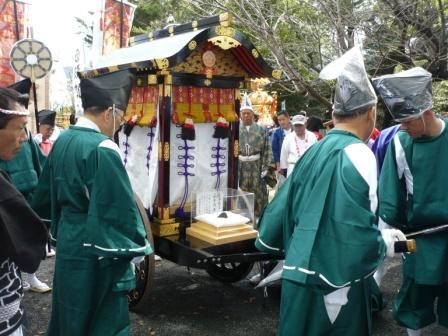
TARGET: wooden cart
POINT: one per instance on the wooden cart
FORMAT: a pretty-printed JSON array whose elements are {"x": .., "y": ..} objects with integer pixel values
[{"x": 190, "y": 71}]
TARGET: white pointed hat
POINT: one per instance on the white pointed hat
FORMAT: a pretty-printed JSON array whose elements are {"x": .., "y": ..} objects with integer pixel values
[{"x": 246, "y": 103}]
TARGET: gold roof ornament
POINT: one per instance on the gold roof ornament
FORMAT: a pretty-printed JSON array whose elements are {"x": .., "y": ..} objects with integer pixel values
[{"x": 264, "y": 103}]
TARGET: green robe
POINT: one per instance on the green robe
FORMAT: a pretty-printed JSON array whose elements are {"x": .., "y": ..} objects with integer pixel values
[
  {"x": 25, "y": 168},
  {"x": 255, "y": 142},
  {"x": 322, "y": 221},
  {"x": 97, "y": 228},
  {"x": 413, "y": 196}
]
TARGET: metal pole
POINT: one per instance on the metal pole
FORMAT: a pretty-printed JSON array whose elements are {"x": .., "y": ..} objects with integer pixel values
[
  {"x": 36, "y": 113},
  {"x": 121, "y": 23},
  {"x": 16, "y": 19}
]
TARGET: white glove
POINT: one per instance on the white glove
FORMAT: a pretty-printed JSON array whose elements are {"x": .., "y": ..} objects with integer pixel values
[
  {"x": 334, "y": 302},
  {"x": 390, "y": 236},
  {"x": 137, "y": 260},
  {"x": 38, "y": 138}
]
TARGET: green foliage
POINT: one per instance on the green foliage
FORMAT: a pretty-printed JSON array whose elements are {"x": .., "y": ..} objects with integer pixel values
[
  {"x": 151, "y": 15},
  {"x": 440, "y": 97}
]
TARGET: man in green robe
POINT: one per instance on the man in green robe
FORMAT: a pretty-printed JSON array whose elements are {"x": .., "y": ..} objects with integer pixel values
[
  {"x": 256, "y": 164},
  {"x": 24, "y": 170},
  {"x": 413, "y": 195},
  {"x": 95, "y": 221},
  {"x": 22, "y": 234},
  {"x": 322, "y": 220}
]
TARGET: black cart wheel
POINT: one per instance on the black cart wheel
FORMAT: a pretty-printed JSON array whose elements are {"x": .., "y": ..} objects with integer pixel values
[
  {"x": 230, "y": 272},
  {"x": 144, "y": 272}
]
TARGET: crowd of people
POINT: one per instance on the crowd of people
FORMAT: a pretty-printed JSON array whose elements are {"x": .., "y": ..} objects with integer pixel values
[
  {"x": 83, "y": 190},
  {"x": 335, "y": 219}
]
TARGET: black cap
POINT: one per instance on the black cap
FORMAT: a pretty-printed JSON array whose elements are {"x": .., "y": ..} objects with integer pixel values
[
  {"x": 47, "y": 117},
  {"x": 406, "y": 94},
  {"x": 23, "y": 87},
  {"x": 108, "y": 89}
]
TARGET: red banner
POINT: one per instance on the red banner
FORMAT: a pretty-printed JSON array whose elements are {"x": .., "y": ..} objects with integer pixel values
[
  {"x": 203, "y": 104},
  {"x": 111, "y": 24},
  {"x": 143, "y": 103},
  {"x": 8, "y": 36}
]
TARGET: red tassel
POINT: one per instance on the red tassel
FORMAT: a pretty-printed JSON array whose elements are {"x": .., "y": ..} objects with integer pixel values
[
  {"x": 153, "y": 122},
  {"x": 129, "y": 125},
  {"x": 188, "y": 132},
  {"x": 221, "y": 129}
]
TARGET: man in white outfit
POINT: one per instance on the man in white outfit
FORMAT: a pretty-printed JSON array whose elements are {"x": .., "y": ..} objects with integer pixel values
[{"x": 296, "y": 144}]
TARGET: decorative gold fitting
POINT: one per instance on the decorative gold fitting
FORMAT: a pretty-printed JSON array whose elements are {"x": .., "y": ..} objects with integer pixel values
[
  {"x": 276, "y": 74},
  {"x": 238, "y": 93},
  {"x": 160, "y": 151},
  {"x": 166, "y": 154},
  {"x": 152, "y": 79},
  {"x": 235, "y": 148},
  {"x": 167, "y": 90},
  {"x": 255, "y": 53},
  {"x": 224, "y": 42},
  {"x": 225, "y": 31},
  {"x": 166, "y": 211},
  {"x": 225, "y": 19},
  {"x": 207, "y": 82},
  {"x": 161, "y": 90},
  {"x": 162, "y": 63},
  {"x": 192, "y": 45},
  {"x": 168, "y": 79},
  {"x": 209, "y": 73}
]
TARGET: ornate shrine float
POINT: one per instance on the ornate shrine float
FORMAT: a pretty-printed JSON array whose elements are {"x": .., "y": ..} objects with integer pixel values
[{"x": 182, "y": 153}]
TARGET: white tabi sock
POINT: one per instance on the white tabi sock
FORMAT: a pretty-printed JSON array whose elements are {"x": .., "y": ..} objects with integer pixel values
[
  {"x": 412, "y": 332},
  {"x": 380, "y": 273},
  {"x": 32, "y": 278}
]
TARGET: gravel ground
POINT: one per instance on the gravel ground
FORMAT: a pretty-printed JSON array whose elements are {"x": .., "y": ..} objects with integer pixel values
[{"x": 191, "y": 303}]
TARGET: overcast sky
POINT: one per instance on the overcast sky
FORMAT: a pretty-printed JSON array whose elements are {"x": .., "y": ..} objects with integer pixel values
[{"x": 54, "y": 24}]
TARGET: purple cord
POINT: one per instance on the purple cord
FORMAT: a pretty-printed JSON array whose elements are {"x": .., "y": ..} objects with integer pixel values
[
  {"x": 184, "y": 171},
  {"x": 217, "y": 164},
  {"x": 126, "y": 151},
  {"x": 151, "y": 135}
]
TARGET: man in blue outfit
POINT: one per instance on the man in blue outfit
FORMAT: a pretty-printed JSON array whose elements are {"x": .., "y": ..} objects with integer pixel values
[{"x": 278, "y": 136}]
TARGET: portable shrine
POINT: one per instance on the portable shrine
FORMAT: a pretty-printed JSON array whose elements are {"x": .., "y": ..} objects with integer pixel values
[{"x": 181, "y": 142}]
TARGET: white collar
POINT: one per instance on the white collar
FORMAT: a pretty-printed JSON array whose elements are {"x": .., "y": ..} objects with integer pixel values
[{"x": 87, "y": 123}]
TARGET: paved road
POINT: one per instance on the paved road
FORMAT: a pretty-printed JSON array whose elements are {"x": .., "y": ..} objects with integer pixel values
[{"x": 191, "y": 303}]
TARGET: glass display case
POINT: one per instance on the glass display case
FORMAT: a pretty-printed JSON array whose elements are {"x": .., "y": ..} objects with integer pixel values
[{"x": 222, "y": 216}]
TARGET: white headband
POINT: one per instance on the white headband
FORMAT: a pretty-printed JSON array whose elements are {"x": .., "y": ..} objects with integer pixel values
[{"x": 19, "y": 113}]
